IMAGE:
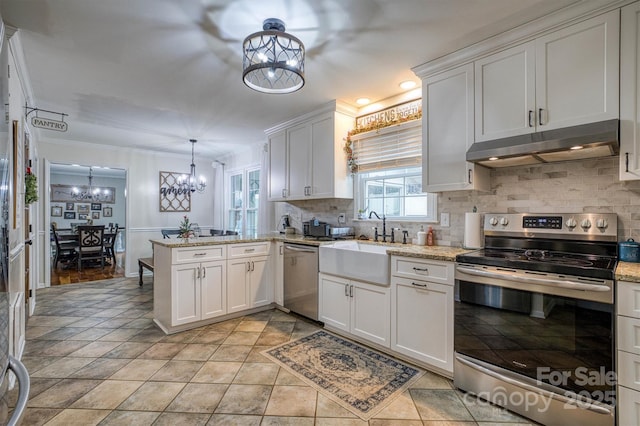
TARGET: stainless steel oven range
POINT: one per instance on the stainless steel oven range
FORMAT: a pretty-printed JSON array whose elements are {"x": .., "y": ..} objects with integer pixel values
[{"x": 534, "y": 317}]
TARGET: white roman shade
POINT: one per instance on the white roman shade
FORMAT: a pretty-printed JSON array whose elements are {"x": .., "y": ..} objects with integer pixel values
[{"x": 391, "y": 147}]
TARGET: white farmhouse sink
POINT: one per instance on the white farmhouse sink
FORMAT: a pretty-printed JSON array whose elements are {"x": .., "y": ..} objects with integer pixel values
[{"x": 354, "y": 260}]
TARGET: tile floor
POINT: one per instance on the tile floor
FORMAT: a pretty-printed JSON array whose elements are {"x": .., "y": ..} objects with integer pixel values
[{"x": 95, "y": 357}]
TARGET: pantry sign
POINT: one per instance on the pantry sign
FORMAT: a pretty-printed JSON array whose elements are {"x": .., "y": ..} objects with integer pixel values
[{"x": 45, "y": 123}]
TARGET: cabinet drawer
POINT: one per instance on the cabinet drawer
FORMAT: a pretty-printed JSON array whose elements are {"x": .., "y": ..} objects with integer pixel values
[
  {"x": 198, "y": 254},
  {"x": 629, "y": 370},
  {"x": 629, "y": 334},
  {"x": 249, "y": 249},
  {"x": 430, "y": 270},
  {"x": 628, "y": 406},
  {"x": 628, "y": 299}
]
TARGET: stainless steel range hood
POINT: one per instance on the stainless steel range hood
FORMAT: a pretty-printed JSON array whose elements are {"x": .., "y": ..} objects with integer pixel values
[{"x": 599, "y": 139}]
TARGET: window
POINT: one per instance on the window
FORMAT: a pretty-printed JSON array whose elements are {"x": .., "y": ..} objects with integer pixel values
[
  {"x": 243, "y": 201},
  {"x": 389, "y": 180}
]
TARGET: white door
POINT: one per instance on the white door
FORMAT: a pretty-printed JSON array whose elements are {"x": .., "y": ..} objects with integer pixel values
[
  {"x": 422, "y": 321},
  {"x": 185, "y": 297},
  {"x": 278, "y": 183},
  {"x": 334, "y": 302},
  {"x": 577, "y": 73},
  {"x": 322, "y": 157},
  {"x": 370, "y": 312},
  {"x": 260, "y": 282},
  {"x": 505, "y": 93},
  {"x": 299, "y": 139},
  {"x": 213, "y": 278},
  {"x": 238, "y": 285}
]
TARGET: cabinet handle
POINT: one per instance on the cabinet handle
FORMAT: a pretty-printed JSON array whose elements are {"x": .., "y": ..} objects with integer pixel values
[
  {"x": 530, "y": 118},
  {"x": 540, "y": 116},
  {"x": 351, "y": 291},
  {"x": 204, "y": 272},
  {"x": 198, "y": 272},
  {"x": 248, "y": 266},
  {"x": 281, "y": 249},
  {"x": 253, "y": 266},
  {"x": 346, "y": 290},
  {"x": 249, "y": 250},
  {"x": 284, "y": 193},
  {"x": 418, "y": 285},
  {"x": 421, "y": 269},
  {"x": 626, "y": 162},
  {"x": 469, "y": 176},
  {"x": 199, "y": 254}
]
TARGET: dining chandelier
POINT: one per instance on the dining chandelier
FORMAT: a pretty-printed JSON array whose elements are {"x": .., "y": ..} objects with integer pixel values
[
  {"x": 90, "y": 193},
  {"x": 273, "y": 61},
  {"x": 191, "y": 183}
]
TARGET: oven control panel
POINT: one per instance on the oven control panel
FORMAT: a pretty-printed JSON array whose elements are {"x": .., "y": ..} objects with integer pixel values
[{"x": 591, "y": 226}]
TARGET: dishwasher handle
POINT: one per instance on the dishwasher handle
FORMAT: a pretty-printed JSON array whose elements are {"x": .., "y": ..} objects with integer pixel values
[{"x": 299, "y": 250}]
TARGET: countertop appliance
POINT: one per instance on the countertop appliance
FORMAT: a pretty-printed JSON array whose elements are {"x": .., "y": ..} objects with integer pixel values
[
  {"x": 301, "y": 279},
  {"x": 322, "y": 230},
  {"x": 534, "y": 317}
]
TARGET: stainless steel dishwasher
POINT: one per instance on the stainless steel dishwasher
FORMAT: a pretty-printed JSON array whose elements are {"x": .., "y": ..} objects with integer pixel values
[{"x": 301, "y": 279}]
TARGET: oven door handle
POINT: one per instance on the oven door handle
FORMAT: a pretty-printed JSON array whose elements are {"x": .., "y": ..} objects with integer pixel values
[
  {"x": 532, "y": 280},
  {"x": 576, "y": 401}
]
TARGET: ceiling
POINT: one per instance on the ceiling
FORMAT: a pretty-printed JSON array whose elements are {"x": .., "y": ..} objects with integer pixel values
[{"x": 152, "y": 74}]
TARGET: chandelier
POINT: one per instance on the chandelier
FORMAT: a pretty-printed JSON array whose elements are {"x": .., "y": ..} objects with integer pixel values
[
  {"x": 191, "y": 183},
  {"x": 273, "y": 61},
  {"x": 90, "y": 193}
]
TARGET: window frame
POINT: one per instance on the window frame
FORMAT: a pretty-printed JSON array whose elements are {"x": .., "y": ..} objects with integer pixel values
[{"x": 244, "y": 209}]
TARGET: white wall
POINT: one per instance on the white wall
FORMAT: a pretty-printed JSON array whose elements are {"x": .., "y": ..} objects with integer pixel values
[{"x": 143, "y": 218}]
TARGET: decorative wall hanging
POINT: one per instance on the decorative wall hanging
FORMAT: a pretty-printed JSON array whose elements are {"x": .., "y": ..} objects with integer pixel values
[
  {"x": 173, "y": 196},
  {"x": 47, "y": 123},
  {"x": 65, "y": 193},
  {"x": 396, "y": 114}
]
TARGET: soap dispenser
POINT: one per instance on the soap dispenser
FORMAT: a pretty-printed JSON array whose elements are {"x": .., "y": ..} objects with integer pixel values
[
  {"x": 422, "y": 236},
  {"x": 430, "y": 237}
]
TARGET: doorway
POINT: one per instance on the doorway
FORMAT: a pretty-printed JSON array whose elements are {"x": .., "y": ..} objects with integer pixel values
[{"x": 85, "y": 195}]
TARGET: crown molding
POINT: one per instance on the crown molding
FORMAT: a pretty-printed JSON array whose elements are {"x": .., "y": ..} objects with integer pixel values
[{"x": 330, "y": 107}]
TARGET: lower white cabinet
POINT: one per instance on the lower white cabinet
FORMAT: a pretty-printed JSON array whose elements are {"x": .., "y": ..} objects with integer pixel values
[
  {"x": 198, "y": 291},
  {"x": 422, "y": 310},
  {"x": 248, "y": 283},
  {"x": 278, "y": 269},
  {"x": 628, "y": 352},
  {"x": 355, "y": 307}
]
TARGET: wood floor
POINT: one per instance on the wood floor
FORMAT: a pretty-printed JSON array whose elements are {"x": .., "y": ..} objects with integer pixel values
[{"x": 61, "y": 275}]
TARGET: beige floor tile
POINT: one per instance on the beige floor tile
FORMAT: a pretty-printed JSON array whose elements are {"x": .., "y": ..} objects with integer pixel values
[
  {"x": 328, "y": 408},
  {"x": 95, "y": 349},
  {"x": 35, "y": 332},
  {"x": 244, "y": 399},
  {"x": 432, "y": 381},
  {"x": 139, "y": 369},
  {"x": 439, "y": 405},
  {"x": 78, "y": 417},
  {"x": 400, "y": 408},
  {"x": 35, "y": 363},
  {"x": 234, "y": 420},
  {"x": 137, "y": 418},
  {"x": 217, "y": 372},
  {"x": 120, "y": 334},
  {"x": 461, "y": 423},
  {"x": 329, "y": 421},
  {"x": 63, "y": 348},
  {"x": 210, "y": 337},
  {"x": 173, "y": 419},
  {"x": 101, "y": 368},
  {"x": 163, "y": 350},
  {"x": 63, "y": 393},
  {"x": 91, "y": 334},
  {"x": 287, "y": 421},
  {"x": 273, "y": 339},
  {"x": 184, "y": 337},
  {"x": 128, "y": 350},
  {"x": 196, "y": 352},
  {"x": 231, "y": 353},
  {"x": 256, "y": 354},
  {"x": 285, "y": 378},
  {"x": 108, "y": 394},
  {"x": 178, "y": 371},
  {"x": 252, "y": 326},
  {"x": 198, "y": 398},
  {"x": 241, "y": 338},
  {"x": 292, "y": 401},
  {"x": 257, "y": 374},
  {"x": 152, "y": 396},
  {"x": 64, "y": 367},
  {"x": 38, "y": 416}
]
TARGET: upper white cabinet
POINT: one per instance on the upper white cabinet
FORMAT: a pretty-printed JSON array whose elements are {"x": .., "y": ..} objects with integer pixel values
[
  {"x": 565, "y": 78},
  {"x": 306, "y": 157},
  {"x": 447, "y": 133},
  {"x": 630, "y": 93}
]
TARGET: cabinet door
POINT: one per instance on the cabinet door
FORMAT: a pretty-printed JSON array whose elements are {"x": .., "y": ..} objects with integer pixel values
[
  {"x": 278, "y": 269},
  {"x": 299, "y": 161},
  {"x": 213, "y": 279},
  {"x": 185, "y": 294},
  {"x": 278, "y": 179},
  {"x": 628, "y": 406},
  {"x": 447, "y": 132},
  {"x": 260, "y": 282},
  {"x": 370, "y": 313},
  {"x": 505, "y": 93},
  {"x": 422, "y": 321},
  {"x": 334, "y": 302},
  {"x": 322, "y": 155},
  {"x": 238, "y": 285},
  {"x": 630, "y": 92},
  {"x": 577, "y": 73}
]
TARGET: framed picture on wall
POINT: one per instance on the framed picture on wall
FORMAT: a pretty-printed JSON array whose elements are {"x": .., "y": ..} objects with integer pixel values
[
  {"x": 69, "y": 215},
  {"x": 56, "y": 211},
  {"x": 107, "y": 212},
  {"x": 83, "y": 208},
  {"x": 96, "y": 206},
  {"x": 95, "y": 215},
  {"x": 83, "y": 216},
  {"x": 69, "y": 206}
]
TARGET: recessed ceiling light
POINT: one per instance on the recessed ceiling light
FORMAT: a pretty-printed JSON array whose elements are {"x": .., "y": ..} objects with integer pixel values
[
  {"x": 409, "y": 84},
  {"x": 577, "y": 147},
  {"x": 493, "y": 158},
  {"x": 363, "y": 101}
]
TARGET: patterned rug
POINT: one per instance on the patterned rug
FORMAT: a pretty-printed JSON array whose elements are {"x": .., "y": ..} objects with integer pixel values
[{"x": 359, "y": 379}]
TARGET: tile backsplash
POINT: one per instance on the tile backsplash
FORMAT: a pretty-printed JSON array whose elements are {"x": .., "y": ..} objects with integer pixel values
[{"x": 568, "y": 187}]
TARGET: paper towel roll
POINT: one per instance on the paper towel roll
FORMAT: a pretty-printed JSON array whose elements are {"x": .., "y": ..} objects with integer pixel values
[{"x": 473, "y": 230}]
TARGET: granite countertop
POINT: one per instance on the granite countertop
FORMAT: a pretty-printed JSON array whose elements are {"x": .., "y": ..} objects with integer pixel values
[
  {"x": 627, "y": 271},
  {"x": 397, "y": 249}
]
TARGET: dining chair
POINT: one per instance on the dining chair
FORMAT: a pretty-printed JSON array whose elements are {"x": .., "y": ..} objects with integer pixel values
[
  {"x": 167, "y": 233},
  {"x": 90, "y": 244},
  {"x": 227, "y": 232},
  {"x": 216, "y": 232},
  {"x": 109, "y": 243},
  {"x": 65, "y": 251}
]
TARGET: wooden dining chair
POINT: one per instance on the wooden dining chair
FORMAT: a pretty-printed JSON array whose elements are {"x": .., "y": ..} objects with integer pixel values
[
  {"x": 109, "y": 244},
  {"x": 65, "y": 251},
  {"x": 90, "y": 244},
  {"x": 167, "y": 233}
]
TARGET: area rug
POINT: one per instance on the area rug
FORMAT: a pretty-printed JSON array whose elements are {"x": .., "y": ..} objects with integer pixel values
[{"x": 359, "y": 379}]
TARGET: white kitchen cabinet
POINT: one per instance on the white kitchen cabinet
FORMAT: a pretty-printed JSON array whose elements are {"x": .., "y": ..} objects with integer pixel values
[
  {"x": 198, "y": 291},
  {"x": 355, "y": 307},
  {"x": 564, "y": 78},
  {"x": 307, "y": 159},
  {"x": 628, "y": 406},
  {"x": 448, "y": 131},
  {"x": 630, "y": 92},
  {"x": 628, "y": 352},
  {"x": 249, "y": 281},
  {"x": 278, "y": 268},
  {"x": 422, "y": 310}
]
